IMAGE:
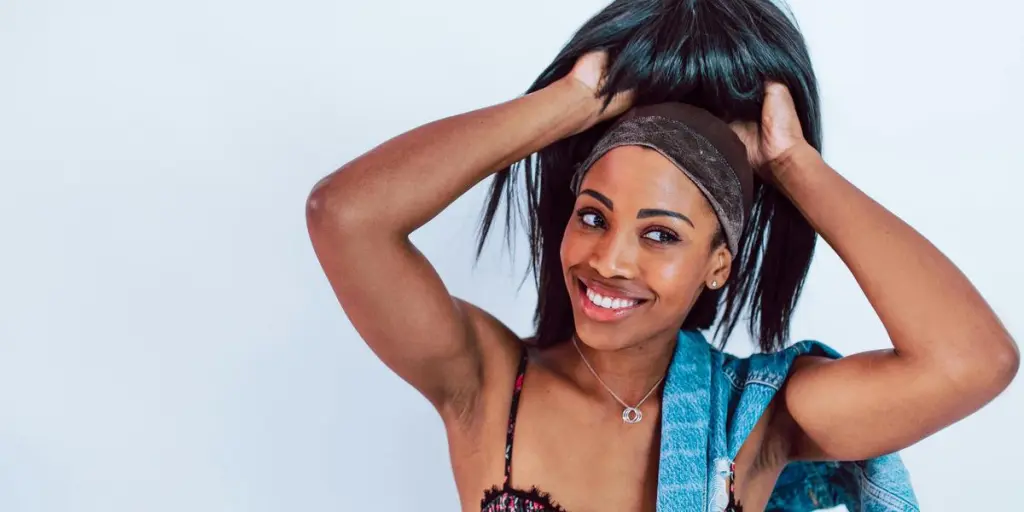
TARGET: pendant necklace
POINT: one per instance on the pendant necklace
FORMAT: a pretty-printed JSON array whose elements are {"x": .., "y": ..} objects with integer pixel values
[{"x": 630, "y": 414}]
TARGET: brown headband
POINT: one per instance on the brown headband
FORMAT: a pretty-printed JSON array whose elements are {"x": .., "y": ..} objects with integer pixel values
[{"x": 701, "y": 145}]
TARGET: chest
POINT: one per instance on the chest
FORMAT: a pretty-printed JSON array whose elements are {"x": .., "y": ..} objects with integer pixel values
[{"x": 586, "y": 457}]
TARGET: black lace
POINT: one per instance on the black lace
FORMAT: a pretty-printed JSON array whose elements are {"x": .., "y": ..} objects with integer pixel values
[{"x": 534, "y": 495}]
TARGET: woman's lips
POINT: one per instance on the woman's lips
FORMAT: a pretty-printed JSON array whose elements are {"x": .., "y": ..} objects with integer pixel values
[{"x": 605, "y": 307}]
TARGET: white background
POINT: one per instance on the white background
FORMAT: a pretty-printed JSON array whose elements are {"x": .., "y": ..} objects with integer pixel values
[{"x": 168, "y": 342}]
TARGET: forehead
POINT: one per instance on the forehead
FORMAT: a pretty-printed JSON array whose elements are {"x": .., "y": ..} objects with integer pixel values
[{"x": 640, "y": 177}]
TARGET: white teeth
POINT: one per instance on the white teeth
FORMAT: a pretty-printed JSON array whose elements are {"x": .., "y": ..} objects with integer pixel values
[{"x": 608, "y": 302}]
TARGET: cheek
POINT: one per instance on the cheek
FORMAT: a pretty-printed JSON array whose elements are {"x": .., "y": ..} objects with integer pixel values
[
  {"x": 573, "y": 249},
  {"x": 672, "y": 278}
]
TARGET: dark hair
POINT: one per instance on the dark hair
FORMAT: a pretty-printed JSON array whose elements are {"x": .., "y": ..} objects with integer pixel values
[{"x": 715, "y": 54}]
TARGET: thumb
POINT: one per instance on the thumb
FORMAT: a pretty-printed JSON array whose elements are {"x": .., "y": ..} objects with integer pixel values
[
  {"x": 749, "y": 134},
  {"x": 779, "y": 112},
  {"x": 780, "y": 123}
]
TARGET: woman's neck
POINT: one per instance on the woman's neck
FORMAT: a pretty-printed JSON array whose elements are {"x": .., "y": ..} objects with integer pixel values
[{"x": 630, "y": 372}]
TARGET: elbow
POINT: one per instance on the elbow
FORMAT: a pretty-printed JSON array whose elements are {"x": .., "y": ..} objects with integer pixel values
[
  {"x": 318, "y": 203},
  {"x": 328, "y": 207},
  {"x": 991, "y": 370},
  {"x": 1007, "y": 362},
  {"x": 1003, "y": 362}
]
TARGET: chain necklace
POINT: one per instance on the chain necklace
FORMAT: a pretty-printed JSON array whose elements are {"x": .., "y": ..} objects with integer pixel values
[{"x": 630, "y": 414}]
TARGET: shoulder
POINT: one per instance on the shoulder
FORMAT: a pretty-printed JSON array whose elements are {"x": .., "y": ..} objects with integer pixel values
[
  {"x": 773, "y": 369},
  {"x": 761, "y": 423},
  {"x": 756, "y": 385}
]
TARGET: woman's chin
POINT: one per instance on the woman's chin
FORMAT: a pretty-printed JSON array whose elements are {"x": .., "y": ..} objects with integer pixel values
[{"x": 603, "y": 338}]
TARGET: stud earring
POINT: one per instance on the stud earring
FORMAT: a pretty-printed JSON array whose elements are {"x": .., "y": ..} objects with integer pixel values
[{"x": 714, "y": 284}]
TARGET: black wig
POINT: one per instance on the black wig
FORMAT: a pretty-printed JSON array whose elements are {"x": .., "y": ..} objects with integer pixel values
[{"x": 715, "y": 54}]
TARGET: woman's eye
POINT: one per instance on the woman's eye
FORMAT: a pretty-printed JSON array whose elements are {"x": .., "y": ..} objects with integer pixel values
[
  {"x": 660, "y": 236},
  {"x": 591, "y": 219}
]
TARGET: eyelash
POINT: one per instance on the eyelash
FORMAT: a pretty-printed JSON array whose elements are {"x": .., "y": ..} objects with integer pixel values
[{"x": 669, "y": 235}]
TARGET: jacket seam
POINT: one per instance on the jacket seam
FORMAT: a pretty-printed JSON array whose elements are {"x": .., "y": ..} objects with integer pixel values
[{"x": 885, "y": 495}]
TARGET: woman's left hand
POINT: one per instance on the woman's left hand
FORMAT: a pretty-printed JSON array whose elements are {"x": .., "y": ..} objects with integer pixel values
[
  {"x": 590, "y": 72},
  {"x": 778, "y": 133}
]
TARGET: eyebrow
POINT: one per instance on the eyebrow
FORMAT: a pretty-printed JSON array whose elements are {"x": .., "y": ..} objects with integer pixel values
[
  {"x": 600, "y": 197},
  {"x": 654, "y": 212},
  {"x": 642, "y": 214}
]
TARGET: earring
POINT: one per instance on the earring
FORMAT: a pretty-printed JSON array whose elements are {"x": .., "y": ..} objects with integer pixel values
[{"x": 714, "y": 284}]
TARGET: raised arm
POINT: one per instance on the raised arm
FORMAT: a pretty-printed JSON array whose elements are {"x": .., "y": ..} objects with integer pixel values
[
  {"x": 360, "y": 217},
  {"x": 951, "y": 355}
]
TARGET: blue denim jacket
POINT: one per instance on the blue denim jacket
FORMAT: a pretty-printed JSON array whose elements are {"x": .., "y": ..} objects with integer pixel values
[{"x": 712, "y": 401}]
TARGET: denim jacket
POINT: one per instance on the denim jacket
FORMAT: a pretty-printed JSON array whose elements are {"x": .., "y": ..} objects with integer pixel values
[{"x": 712, "y": 401}]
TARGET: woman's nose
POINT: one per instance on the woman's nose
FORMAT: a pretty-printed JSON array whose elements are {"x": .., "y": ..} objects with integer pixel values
[{"x": 614, "y": 256}]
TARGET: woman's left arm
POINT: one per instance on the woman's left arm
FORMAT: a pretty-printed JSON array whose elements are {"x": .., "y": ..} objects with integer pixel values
[{"x": 951, "y": 355}]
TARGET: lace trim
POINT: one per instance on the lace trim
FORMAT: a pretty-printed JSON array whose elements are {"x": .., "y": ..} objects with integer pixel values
[{"x": 534, "y": 496}]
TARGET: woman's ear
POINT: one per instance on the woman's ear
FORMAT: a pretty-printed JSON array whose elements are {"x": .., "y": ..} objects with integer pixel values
[{"x": 720, "y": 264}]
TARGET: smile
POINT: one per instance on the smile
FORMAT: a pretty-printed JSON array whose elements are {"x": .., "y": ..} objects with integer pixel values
[
  {"x": 609, "y": 302},
  {"x": 604, "y": 306}
]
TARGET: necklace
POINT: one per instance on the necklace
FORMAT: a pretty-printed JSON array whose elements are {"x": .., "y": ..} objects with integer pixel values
[{"x": 630, "y": 414}]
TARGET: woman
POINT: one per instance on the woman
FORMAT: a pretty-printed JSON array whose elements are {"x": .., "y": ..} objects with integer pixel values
[{"x": 642, "y": 244}]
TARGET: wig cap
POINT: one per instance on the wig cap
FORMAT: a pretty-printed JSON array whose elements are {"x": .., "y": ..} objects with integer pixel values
[{"x": 700, "y": 145}]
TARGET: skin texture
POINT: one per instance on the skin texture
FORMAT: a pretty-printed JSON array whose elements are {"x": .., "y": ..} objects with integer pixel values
[{"x": 950, "y": 354}]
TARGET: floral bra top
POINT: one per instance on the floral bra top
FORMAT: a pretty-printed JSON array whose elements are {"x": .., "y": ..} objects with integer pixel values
[{"x": 510, "y": 499}]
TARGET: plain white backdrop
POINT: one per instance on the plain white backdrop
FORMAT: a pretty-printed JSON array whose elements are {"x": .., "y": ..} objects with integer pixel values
[{"x": 168, "y": 342}]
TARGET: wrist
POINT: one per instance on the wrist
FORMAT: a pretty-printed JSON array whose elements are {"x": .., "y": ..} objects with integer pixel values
[
  {"x": 583, "y": 103},
  {"x": 799, "y": 157}
]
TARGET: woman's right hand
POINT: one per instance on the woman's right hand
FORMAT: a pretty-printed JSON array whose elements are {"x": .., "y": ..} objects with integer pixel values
[{"x": 589, "y": 74}]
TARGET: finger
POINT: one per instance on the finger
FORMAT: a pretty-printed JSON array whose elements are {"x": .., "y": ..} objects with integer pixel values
[
  {"x": 773, "y": 88},
  {"x": 777, "y": 93},
  {"x": 746, "y": 131},
  {"x": 625, "y": 99},
  {"x": 595, "y": 61},
  {"x": 743, "y": 127}
]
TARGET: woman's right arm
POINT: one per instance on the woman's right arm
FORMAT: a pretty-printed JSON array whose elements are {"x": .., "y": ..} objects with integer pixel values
[{"x": 360, "y": 217}]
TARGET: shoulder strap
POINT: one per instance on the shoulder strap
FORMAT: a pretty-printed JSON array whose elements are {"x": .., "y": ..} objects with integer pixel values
[{"x": 513, "y": 410}]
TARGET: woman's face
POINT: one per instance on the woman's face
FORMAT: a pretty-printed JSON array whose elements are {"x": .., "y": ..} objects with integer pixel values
[{"x": 637, "y": 250}]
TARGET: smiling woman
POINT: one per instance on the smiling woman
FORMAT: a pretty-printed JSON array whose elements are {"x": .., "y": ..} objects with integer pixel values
[
  {"x": 673, "y": 177},
  {"x": 682, "y": 183}
]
